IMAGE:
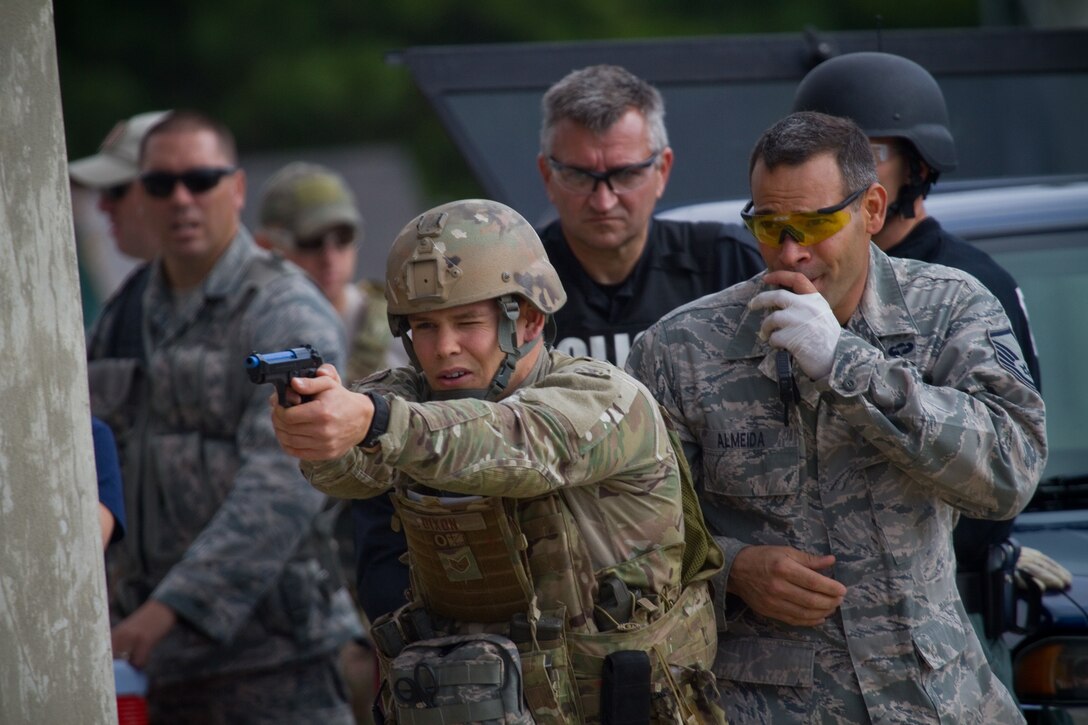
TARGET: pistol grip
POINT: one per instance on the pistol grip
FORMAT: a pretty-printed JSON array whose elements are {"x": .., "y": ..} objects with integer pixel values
[{"x": 281, "y": 391}]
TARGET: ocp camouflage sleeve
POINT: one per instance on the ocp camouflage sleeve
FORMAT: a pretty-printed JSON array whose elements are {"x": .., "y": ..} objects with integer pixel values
[
  {"x": 358, "y": 474},
  {"x": 575, "y": 427}
]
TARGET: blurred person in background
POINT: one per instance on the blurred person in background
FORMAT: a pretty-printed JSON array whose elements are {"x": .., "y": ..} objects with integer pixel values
[
  {"x": 309, "y": 215},
  {"x": 111, "y": 249},
  {"x": 112, "y": 172},
  {"x": 226, "y": 592},
  {"x": 111, "y": 502}
]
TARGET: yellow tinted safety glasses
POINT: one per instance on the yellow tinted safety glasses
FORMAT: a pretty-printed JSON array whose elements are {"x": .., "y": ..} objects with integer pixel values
[{"x": 806, "y": 228}]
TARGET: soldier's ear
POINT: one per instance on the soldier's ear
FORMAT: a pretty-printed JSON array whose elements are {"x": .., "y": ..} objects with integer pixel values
[{"x": 534, "y": 322}]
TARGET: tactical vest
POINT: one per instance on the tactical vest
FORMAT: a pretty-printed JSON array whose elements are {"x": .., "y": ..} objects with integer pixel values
[
  {"x": 473, "y": 561},
  {"x": 119, "y": 390}
]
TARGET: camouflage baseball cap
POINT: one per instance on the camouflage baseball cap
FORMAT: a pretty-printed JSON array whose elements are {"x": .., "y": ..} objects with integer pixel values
[
  {"x": 301, "y": 200},
  {"x": 464, "y": 252},
  {"x": 117, "y": 160}
]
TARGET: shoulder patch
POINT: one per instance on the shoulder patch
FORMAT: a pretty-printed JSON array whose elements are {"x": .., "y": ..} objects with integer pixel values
[{"x": 1009, "y": 355}]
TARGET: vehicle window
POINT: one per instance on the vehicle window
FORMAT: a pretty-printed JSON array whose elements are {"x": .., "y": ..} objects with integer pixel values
[{"x": 1053, "y": 276}]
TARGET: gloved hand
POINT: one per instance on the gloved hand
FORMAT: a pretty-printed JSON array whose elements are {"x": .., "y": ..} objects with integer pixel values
[
  {"x": 802, "y": 324},
  {"x": 1046, "y": 573}
]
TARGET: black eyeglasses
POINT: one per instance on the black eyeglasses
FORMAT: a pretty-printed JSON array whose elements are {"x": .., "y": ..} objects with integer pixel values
[
  {"x": 619, "y": 180},
  {"x": 117, "y": 191},
  {"x": 160, "y": 184},
  {"x": 340, "y": 236}
]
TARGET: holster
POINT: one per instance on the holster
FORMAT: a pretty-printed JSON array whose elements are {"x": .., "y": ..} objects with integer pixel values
[{"x": 992, "y": 592}]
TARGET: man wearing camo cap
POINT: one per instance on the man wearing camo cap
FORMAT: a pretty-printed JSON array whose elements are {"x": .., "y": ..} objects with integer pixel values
[
  {"x": 308, "y": 213},
  {"x": 840, "y": 412},
  {"x": 113, "y": 171}
]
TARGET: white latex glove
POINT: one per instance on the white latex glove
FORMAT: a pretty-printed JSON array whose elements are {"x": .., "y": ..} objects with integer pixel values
[
  {"x": 1047, "y": 573},
  {"x": 802, "y": 324}
]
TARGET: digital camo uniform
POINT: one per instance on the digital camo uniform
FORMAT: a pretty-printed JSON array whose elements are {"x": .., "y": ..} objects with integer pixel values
[
  {"x": 581, "y": 457},
  {"x": 891, "y": 97},
  {"x": 925, "y": 414},
  {"x": 219, "y": 516}
]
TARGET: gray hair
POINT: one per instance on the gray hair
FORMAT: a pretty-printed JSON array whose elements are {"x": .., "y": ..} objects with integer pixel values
[
  {"x": 805, "y": 134},
  {"x": 598, "y": 96}
]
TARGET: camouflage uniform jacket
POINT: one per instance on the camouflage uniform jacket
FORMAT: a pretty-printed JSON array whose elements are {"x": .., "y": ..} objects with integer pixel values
[
  {"x": 220, "y": 521},
  {"x": 577, "y": 428},
  {"x": 928, "y": 411}
]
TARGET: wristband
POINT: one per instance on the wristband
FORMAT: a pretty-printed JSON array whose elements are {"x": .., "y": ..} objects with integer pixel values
[{"x": 379, "y": 423}]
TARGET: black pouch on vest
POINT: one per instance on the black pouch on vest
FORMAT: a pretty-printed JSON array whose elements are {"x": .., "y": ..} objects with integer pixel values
[{"x": 625, "y": 688}]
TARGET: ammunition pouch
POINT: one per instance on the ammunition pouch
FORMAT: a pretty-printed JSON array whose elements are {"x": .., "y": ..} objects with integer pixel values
[
  {"x": 562, "y": 671},
  {"x": 681, "y": 644},
  {"x": 470, "y": 678}
]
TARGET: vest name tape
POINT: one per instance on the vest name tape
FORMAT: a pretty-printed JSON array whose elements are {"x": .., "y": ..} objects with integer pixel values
[{"x": 456, "y": 522}]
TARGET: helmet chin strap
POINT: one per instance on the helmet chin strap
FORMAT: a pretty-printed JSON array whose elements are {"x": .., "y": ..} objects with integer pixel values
[
  {"x": 509, "y": 312},
  {"x": 917, "y": 187}
]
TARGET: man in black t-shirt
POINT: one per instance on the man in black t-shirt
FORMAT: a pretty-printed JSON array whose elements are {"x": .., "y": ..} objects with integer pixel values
[{"x": 605, "y": 160}]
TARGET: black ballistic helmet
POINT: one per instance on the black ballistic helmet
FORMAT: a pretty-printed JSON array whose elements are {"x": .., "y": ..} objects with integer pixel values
[{"x": 886, "y": 95}]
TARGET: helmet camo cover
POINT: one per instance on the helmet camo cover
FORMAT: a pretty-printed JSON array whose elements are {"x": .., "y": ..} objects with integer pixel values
[{"x": 464, "y": 252}]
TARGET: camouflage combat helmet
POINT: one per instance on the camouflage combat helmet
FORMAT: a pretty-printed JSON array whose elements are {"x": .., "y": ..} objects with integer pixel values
[
  {"x": 886, "y": 95},
  {"x": 464, "y": 252}
]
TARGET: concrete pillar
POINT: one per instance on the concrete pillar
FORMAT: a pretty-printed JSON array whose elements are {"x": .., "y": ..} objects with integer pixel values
[{"x": 55, "y": 661}]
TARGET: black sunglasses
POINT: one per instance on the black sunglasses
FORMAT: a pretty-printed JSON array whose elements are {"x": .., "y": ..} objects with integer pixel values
[
  {"x": 117, "y": 191},
  {"x": 160, "y": 184},
  {"x": 340, "y": 236}
]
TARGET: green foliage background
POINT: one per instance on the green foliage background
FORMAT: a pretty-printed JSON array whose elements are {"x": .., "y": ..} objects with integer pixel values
[{"x": 291, "y": 74}]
